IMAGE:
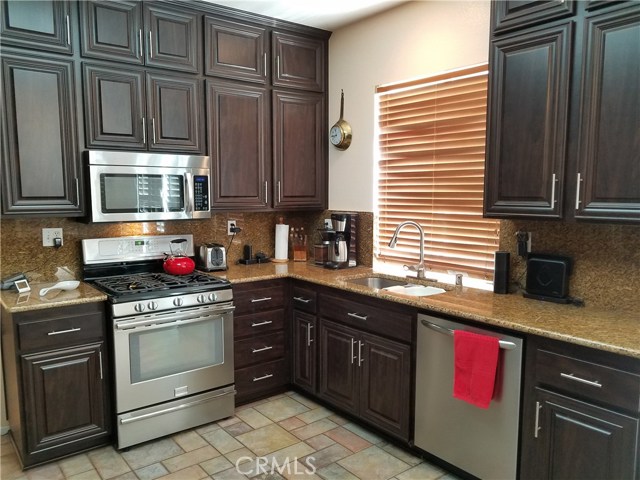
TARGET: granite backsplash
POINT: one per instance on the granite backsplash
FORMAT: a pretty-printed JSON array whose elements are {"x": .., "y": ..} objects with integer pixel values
[{"x": 606, "y": 257}]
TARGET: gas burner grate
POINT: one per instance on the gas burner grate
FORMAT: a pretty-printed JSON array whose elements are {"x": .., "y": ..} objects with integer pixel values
[{"x": 155, "y": 282}]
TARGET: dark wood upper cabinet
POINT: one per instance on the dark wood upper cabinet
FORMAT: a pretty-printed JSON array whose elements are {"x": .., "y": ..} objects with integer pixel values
[
  {"x": 235, "y": 50},
  {"x": 511, "y": 14},
  {"x": 40, "y": 163},
  {"x": 299, "y": 145},
  {"x": 527, "y": 122},
  {"x": 239, "y": 136},
  {"x": 608, "y": 175},
  {"x": 153, "y": 34},
  {"x": 298, "y": 62},
  {"x": 40, "y": 25},
  {"x": 112, "y": 31}
]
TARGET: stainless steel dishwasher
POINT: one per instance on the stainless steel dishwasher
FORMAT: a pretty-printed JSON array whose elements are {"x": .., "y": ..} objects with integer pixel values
[{"x": 482, "y": 442}]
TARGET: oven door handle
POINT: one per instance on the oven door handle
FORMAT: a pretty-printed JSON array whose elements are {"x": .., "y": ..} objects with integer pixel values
[{"x": 157, "y": 322}]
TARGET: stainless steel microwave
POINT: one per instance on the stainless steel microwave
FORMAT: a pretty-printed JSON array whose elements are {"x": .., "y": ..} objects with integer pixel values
[{"x": 141, "y": 187}]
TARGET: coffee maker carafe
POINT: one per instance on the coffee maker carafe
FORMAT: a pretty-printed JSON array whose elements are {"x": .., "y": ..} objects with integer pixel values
[{"x": 342, "y": 242}]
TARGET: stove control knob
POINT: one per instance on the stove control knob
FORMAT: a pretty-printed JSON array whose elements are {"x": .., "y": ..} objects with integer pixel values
[
  {"x": 152, "y": 305},
  {"x": 212, "y": 297},
  {"x": 139, "y": 307},
  {"x": 201, "y": 298},
  {"x": 177, "y": 302}
]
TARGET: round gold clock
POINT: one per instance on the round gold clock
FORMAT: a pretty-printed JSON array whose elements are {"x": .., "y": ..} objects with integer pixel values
[{"x": 340, "y": 133}]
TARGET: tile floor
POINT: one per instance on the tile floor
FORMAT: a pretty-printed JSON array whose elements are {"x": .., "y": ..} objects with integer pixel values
[{"x": 289, "y": 432}]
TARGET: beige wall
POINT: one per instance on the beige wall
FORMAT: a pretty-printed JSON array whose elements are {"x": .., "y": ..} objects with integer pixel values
[{"x": 412, "y": 40}]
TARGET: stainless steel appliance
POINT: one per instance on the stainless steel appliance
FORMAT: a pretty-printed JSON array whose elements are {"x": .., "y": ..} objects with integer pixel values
[
  {"x": 212, "y": 256},
  {"x": 172, "y": 337},
  {"x": 140, "y": 187},
  {"x": 483, "y": 442},
  {"x": 342, "y": 248}
]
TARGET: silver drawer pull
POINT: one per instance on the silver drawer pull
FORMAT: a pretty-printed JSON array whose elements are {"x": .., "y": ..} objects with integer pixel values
[
  {"x": 303, "y": 300},
  {"x": 60, "y": 332},
  {"x": 266, "y": 322},
  {"x": 570, "y": 376},
  {"x": 263, "y": 349},
  {"x": 264, "y": 299},
  {"x": 268, "y": 375},
  {"x": 359, "y": 317}
]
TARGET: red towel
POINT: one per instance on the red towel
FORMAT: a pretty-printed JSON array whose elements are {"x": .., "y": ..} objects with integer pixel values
[{"x": 475, "y": 362}]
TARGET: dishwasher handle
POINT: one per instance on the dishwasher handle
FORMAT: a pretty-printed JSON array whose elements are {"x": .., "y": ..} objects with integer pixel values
[{"x": 505, "y": 345}]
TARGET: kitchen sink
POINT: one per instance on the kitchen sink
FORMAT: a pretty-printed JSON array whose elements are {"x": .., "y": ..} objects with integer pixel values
[
  {"x": 414, "y": 290},
  {"x": 377, "y": 282}
]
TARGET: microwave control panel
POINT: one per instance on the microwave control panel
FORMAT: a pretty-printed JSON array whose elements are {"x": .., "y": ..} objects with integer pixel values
[{"x": 201, "y": 193}]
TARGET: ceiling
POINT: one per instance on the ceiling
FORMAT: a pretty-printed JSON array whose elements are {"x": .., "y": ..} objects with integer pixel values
[{"x": 325, "y": 14}]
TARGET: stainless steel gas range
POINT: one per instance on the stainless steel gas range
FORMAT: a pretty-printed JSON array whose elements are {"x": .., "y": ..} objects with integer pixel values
[{"x": 172, "y": 337}]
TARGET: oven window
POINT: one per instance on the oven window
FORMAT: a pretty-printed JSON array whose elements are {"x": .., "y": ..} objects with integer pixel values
[
  {"x": 132, "y": 193},
  {"x": 176, "y": 349}
]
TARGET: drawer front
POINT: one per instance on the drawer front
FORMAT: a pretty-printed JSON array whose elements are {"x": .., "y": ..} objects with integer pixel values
[
  {"x": 257, "y": 300},
  {"x": 251, "y": 381},
  {"x": 386, "y": 322},
  {"x": 586, "y": 379},
  {"x": 258, "y": 324},
  {"x": 60, "y": 332},
  {"x": 258, "y": 349},
  {"x": 304, "y": 299}
]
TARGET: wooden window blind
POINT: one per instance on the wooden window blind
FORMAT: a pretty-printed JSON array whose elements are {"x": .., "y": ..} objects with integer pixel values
[{"x": 431, "y": 170}]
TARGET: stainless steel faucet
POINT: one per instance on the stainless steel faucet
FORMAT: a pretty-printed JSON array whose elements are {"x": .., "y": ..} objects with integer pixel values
[{"x": 420, "y": 268}]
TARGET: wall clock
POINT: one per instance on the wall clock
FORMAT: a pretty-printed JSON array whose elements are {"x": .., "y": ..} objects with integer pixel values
[{"x": 340, "y": 133}]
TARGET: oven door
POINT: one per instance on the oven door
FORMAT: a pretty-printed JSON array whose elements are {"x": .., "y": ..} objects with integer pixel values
[{"x": 164, "y": 356}]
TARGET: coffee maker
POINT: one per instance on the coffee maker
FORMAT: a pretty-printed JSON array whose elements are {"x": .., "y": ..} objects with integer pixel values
[{"x": 342, "y": 241}]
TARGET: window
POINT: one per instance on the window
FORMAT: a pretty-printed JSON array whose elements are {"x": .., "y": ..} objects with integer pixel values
[{"x": 431, "y": 136}]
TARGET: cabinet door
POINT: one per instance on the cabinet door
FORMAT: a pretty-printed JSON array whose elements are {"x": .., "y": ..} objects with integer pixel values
[
  {"x": 114, "y": 106},
  {"x": 385, "y": 384},
  {"x": 609, "y": 153},
  {"x": 304, "y": 351},
  {"x": 299, "y": 62},
  {"x": 175, "y": 113},
  {"x": 41, "y": 24},
  {"x": 173, "y": 38},
  {"x": 338, "y": 365},
  {"x": 112, "y": 30},
  {"x": 64, "y": 397},
  {"x": 575, "y": 440},
  {"x": 527, "y": 123},
  {"x": 40, "y": 165},
  {"x": 239, "y": 145},
  {"x": 234, "y": 50},
  {"x": 299, "y": 149}
]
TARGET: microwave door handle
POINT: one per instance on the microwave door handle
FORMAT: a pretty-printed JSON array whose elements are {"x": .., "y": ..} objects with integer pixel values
[{"x": 188, "y": 192}]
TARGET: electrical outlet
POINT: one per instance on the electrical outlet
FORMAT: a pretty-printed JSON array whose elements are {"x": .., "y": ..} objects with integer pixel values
[
  {"x": 328, "y": 224},
  {"x": 49, "y": 235},
  {"x": 231, "y": 224}
]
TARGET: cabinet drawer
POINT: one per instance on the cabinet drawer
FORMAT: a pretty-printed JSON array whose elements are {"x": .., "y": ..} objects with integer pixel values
[
  {"x": 257, "y": 324},
  {"x": 374, "y": 318},
  {"x": 60, "y": 332},
  {"x": 259, "y": 349},
  {"x": 257, "y": 300},
  {"x": 251, "y": 381},
  {"x": 593, "y": 381},
  {"x": 304, "y": 299}
]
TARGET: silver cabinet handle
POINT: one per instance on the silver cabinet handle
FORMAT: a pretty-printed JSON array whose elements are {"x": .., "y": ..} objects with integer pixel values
[
  {"x": 309, "y": 339},
  {"x": 153, "y": 129},
  {"x": 579, "y": 180},
  {"x": 553, "y": 189},
  {"x": 360, "y": 359},
  {"x": 68, "y": 31},
  {"x": 266, "y": 192},
  {"x": 266, "y": 322},
  {"x": 265, "y": 63},
  {"x": 150, "y": 45},
  {"x": 144, "y": 131},
  {"x": 571, "y": 376},
  {"x": 278, "y": 66},
  {"x": 77, "y": 182},
  {"x": 100, "y": 358},
  {"x": 263, "y": 349},
  {"x": 279, "y": 192},
  {"x": 60, "y": 332},
  {"x": 536, "y": 427},
  {"x": 359, "y": 317},
  {"x": 263, "y": 299},
  {"x": 504, "y": 344},
  {"x": 301, "y": 299},
  {"x": 140, "y": 42},
  {"x": 264, "y": 377}
]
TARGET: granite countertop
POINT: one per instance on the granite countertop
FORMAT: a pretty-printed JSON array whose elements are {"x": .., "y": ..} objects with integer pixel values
[{"x": 616, "y": 331}]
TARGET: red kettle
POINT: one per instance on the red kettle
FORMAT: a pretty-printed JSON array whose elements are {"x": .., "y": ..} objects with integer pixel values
[{"x": 177, "y": 263}]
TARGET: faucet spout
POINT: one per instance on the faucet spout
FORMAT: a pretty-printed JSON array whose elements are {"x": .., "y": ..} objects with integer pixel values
[{"x": 420, "y": 268}]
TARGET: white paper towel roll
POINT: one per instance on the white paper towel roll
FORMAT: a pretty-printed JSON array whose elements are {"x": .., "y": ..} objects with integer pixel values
[{"x": 282, "y": 241}]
